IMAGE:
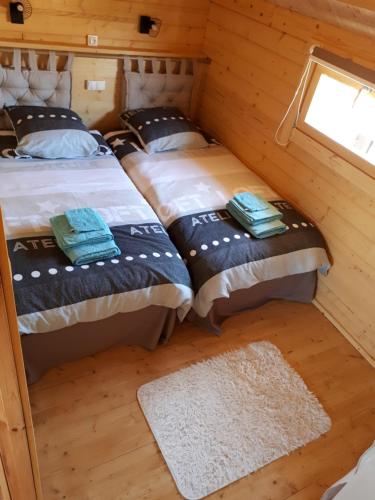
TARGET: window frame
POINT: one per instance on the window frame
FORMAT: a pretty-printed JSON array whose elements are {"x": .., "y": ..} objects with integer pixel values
[{"x": 320, "y": 137}]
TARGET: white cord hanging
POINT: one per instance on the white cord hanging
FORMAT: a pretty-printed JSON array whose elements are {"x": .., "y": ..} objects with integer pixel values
[{"x": 301, "y": 86}]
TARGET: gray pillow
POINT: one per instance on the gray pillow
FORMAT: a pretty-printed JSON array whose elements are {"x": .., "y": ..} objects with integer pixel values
[
  {"x": 49, "y": 132},
  {"x": 163, "y": 128}
]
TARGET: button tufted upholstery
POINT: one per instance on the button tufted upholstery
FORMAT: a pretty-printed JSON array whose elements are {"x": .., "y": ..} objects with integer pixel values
[
  {"x": 173, "y": 87},
  {"x": 33, "y": 87}
]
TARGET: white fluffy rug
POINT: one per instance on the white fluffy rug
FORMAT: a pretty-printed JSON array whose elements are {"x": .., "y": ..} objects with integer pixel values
[{"x": 218, "y": 420}]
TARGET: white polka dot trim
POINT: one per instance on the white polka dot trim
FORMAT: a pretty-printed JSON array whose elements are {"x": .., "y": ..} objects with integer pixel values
[
  {"x": 63, "y": 116},
  {"x": 237, "y": 237},
  {"x": 226, "y": 239},
  {"x": 156, "y": 254},
  {"x": 69, "y": 269},
  {"x": 168, "y": 254},
  {"x": 85, "y": 266},
  {"x": 29, "y": 117},
  {"x": 215, "y": 243},
  {"x": 115, "y": 261},
  {"x": 178, "y": 256},
  {"x": 247, "y": 235},
  {"x": 304, "y": 224},
  {"x": 52, "y": 116},
  {"x": 52, "y": 271},
  {"x": 18, "y": 277},
  {"x": 129, "y": 258},
  {"x": 193, "y": 253},
  {"x": 19, "y": 121},
  {"x": 40, "y": 116},
  {"x": 296, "y": 226},
  {"x": 99, "y": 263},
  {"x": 204, "y": 247},
  {"x": 35, "y": 274},
  {"x": 143, "y": 256}
]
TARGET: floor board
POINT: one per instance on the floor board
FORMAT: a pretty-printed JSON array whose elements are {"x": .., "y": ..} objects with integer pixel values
[{"x": 94, "y": 443}]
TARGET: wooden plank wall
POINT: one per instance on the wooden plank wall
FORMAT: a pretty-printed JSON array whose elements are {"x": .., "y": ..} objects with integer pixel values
[
  {"x": 115, "y": 22},
  {"x": 258, "y": 51}
]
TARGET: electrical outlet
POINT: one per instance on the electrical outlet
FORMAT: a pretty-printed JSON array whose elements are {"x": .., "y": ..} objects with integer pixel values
[
  {"x": 95, "y": 84},
  {"x": 92, "y": 40}
]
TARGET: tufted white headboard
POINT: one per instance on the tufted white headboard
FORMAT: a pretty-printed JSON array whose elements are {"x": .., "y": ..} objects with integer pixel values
[
  {"x": 158, "y": 82},
  {"x": 33, "y": 86}
]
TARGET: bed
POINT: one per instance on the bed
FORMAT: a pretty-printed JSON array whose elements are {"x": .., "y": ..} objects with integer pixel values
[
  {"x": 230, "y": 270},
  {"x": 66, "y": 312}
]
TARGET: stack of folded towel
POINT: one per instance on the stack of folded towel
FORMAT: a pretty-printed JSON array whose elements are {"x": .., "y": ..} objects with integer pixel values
[
  {"x": 258, "y": 216},
  {"x": 83, "y": 236}
]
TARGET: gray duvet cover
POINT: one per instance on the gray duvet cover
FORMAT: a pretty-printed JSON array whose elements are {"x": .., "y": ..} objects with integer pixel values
[{"x": 189, "y": 191}]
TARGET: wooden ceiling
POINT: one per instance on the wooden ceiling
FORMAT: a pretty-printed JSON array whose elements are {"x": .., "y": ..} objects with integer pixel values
[{"x": 355, "y": 15}]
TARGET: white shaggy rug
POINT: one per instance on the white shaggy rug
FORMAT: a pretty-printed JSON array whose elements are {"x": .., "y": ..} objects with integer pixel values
[{"x": 218, "y": 420}]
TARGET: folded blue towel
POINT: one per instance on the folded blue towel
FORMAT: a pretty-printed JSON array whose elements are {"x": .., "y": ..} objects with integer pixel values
[
  {"x": 77, "y": 232},
  {"x": 83, "y": 236},
  {"x": 260, "y": 230},
  {"x": 84, "y": 219},
  {"x": 267, "y": 229},
  {"x": 87, "y": 253},
  {"x": 250, "y": 201},
  {"x": 257, "y": 217}
]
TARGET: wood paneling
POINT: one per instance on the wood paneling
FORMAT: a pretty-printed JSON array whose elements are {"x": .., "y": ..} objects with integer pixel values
[
  {"x": 94, "y": 442},
  {"x": 98, "y": 109},
  {"x": 17, "y": 444},
  {"x": 354, "y": 15},
  {"x": 114, "y": 21},
  {"x": 14, "y": 449},
  {"x": 61, "y": 23},
  {"x": 258, "y": 51},
  {"x": 4, "y": 490}
]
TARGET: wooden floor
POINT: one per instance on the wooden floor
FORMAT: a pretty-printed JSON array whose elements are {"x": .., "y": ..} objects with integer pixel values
[{"x": 94, "y": 443}]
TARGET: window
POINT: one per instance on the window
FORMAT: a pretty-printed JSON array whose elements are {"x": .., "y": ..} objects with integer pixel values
[
  {"x": 339, "y": 112},
  {"x": 334, "y": 105}
]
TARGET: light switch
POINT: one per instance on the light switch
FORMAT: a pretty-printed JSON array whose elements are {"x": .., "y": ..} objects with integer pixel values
[
  {"x": 100, "y": 85},
  {"x": 95, "y": 84}
]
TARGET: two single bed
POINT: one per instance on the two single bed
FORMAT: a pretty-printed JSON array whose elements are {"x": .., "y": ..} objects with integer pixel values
[{"x": 65, "y": 311}]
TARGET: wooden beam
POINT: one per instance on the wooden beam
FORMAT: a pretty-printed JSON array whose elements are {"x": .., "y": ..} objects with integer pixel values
[
  {"x": 98, "y": 52},
  {"x": 17, "y": 441}
]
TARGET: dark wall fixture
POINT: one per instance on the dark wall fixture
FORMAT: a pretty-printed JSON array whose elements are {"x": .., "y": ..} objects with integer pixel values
[
  {"x": 19, "y": 11},
  {"x": 149, "y": 25}
]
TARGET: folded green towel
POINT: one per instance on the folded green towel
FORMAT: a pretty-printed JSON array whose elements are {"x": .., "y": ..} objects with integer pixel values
[
  {"x": 87, "y": 253},
  {"x": 250, "y": 201},
  {"x": 69, "y": 235},
  {"x": 260, "y": 230},
  {"x": 257, "y": 217},
  {"x": 84, "y": 219},
  {"x": 83, "y": 236},
  {"x": 267, "y": 229}
]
